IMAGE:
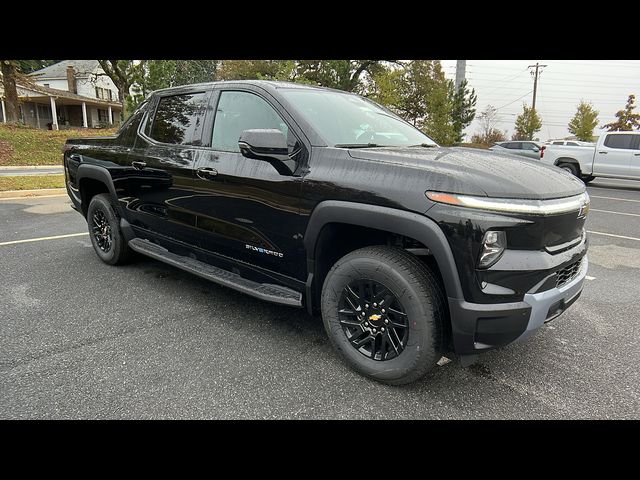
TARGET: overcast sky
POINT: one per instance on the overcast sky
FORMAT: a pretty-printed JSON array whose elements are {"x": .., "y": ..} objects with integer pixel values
[{"x": 505, "y": 84}]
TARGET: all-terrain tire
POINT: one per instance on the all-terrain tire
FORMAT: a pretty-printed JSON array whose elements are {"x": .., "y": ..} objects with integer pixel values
[
  {"x": 417, "y": 290},
  {"x": 103, "y": 211}
]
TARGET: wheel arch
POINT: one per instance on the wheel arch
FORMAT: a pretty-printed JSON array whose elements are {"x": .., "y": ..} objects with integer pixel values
[
  {"x": 559, "y": 161},
  {"x": 93, "y": 180},
  {"x": 393, "y": 221}
]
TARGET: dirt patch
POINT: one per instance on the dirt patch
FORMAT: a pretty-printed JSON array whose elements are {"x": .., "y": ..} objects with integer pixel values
[{"x": 6, "y": 152}]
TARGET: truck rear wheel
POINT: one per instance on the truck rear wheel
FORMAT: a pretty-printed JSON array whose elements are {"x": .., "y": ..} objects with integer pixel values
[
  {"x": 384, "y": 311},
  {"x": 104, "y": 229}
]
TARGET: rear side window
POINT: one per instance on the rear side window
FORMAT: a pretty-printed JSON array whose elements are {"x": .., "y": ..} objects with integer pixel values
[
  {"x": 177, "y": 119},
  {"x": 558, "y": 143},
  {"x": 239, "y": 111},
  {"x": 619, "y": 141}
]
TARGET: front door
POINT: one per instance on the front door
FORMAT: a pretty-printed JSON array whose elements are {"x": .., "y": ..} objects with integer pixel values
[
  {"x": 163, "y": 158},
  {"x": 246, "y": 209},
  {"x": 613, "y": 156}
]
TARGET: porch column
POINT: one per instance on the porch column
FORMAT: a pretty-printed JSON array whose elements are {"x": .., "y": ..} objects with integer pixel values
[
  {"x": 4, "y": 113},
  {"x": 84, "y": 115},
  {"x": 110, "y": 116},
  {"x": 54, "y": 113},
  {"x": 37, "y": 115}
]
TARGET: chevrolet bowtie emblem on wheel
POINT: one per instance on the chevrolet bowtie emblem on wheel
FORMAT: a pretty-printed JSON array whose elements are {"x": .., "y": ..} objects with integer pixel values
[{"x": 374, "y": 318}]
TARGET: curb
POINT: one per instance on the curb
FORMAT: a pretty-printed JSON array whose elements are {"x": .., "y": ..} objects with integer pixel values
[
  {"x": 27, "y": 167},
  {"x": 33, "y": 193}
]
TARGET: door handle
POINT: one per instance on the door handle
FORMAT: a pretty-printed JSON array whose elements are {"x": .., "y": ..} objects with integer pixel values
[
  {"x": 206, "y": 173},
  {"x": 138, "y": 165},
  {"x": 603, "y": 153},
  {"x": 636, "y": 154}
]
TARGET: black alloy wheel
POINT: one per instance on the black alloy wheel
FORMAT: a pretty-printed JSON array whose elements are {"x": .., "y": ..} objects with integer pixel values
[
  {"x": 103, "y": 222},
  {"x": 373, "y": 319},
  {"x": 101, "y": 231}
]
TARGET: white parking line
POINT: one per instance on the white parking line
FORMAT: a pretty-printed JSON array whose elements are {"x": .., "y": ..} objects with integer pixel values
[
  {"x": 14, "y": 242},
  {"x": 612, "y": 235},
  {"x": 614, "y": 198},
  {"x": 589, "y": 277},
  {"x": 616, "y": 213}
]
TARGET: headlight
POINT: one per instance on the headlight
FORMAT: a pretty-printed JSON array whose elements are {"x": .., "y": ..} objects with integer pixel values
[
  {"x": 493, "y": 246},
  {"x": 513, "y": 205}
]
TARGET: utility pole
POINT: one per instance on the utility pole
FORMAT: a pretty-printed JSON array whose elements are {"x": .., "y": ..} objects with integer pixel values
[
  {"x": 535, "y": 81},
  {"x": 461, "y": 67}
]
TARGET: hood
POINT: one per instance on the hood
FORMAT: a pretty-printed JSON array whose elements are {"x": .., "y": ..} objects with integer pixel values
[{"x": 478, "y": 172}]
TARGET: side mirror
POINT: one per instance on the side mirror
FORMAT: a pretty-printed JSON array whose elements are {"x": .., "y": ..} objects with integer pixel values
[
  {"x": 268, "y": 145},
  {"x": 260, "y": 143}
]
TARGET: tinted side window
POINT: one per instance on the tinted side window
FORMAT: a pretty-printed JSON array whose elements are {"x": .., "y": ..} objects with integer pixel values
[
  {"x": 239, "y": 111},
  {"x": 558, "y": 143},
  {"x": 528, "y": 146},
  {"x": 572, "y": 144},
  {"x": 516, "y": 145},
  {"x": 177, "y": 118},
  {"x": 618, "y": 141},
  {"x": 508, "y": 145}
]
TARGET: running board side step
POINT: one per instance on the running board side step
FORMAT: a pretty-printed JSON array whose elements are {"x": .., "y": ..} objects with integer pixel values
[{"x": 263, "y": 291}]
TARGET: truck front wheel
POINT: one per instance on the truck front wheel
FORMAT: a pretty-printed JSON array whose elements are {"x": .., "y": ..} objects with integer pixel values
[
  {"x": 569, "y": 167},
  {"x": 384, "y": 312}
]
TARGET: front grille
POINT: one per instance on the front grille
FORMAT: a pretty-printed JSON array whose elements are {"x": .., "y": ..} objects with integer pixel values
[{"x": 568, "y": 273}]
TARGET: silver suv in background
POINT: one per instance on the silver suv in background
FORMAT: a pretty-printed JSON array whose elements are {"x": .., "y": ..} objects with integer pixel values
[{"x": 524, "y": 148}]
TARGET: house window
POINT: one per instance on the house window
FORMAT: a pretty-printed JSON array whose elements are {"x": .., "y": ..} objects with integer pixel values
[
  {"x": 46, "y": 85},
  {"x": 103, "y": 116}
]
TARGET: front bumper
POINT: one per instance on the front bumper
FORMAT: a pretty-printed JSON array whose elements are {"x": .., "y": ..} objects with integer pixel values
[{"x": 479, "y": 327}]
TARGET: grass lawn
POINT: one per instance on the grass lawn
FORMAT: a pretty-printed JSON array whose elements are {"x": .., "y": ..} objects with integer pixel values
[
  {"x": 31, "y": 146},
  {"x": 31, "y": 182}
]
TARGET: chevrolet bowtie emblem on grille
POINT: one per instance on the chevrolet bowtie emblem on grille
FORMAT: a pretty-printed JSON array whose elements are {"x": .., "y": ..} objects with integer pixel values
[{"x": 373, "y": 318}]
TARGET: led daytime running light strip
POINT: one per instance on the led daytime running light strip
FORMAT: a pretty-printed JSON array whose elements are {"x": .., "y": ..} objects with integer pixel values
[{"x": 511, "y": 205}]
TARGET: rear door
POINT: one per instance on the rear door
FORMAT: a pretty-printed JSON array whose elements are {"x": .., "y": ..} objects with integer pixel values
[
  {"x": 634, "y": 166},
  {"x": 613, "y": 156},
  {"x": 164, "y": 156}
]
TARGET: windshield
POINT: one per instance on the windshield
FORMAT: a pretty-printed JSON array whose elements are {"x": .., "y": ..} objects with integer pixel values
[{"x": 349, "y": 120}]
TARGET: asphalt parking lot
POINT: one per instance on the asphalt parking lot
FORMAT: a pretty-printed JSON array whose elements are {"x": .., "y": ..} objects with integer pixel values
[{"x": 80, "y": 339}]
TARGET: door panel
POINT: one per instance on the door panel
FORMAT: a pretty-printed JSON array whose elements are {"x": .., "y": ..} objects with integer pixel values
[
  {"x": 247, "y": 210},
  {"x": 163, "y": 160},
  {"x": 634, "y": 164},
  {"x": 613, "y": 156}
]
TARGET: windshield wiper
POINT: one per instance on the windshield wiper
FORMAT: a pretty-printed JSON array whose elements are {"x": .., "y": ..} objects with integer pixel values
[
  {"x": 425, "y": 145},
  {"x": 359, "y": 145}
]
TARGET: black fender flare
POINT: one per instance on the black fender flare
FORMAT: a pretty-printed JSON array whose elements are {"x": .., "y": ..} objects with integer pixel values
[
  {"x": 100, "y": 174},
  {"x": 409, "y": 224}
]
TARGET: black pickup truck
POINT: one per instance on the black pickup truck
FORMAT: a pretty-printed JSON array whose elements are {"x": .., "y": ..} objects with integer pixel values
[{"x": 321, "y": 199}]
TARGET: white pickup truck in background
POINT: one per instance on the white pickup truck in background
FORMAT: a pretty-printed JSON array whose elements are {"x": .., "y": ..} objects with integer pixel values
[{"x": 615, "y": 155}]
